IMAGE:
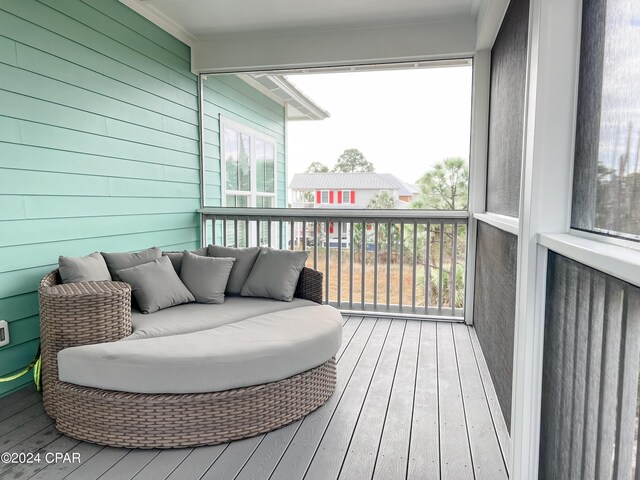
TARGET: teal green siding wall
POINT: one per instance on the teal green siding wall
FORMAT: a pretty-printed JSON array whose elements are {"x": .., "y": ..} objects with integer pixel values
[
  {"x": 98, "y": 146},
  {"x": 229, "y": 96}
]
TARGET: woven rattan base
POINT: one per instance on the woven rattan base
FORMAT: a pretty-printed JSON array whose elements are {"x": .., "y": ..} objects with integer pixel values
[{"x": 137, "y": 420}]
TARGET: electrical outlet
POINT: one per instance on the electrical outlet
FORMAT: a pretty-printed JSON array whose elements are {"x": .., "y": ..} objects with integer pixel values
[{"x": 4, "y": 333}]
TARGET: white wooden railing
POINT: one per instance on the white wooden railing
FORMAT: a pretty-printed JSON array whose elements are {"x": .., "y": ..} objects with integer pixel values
[{"x": 384, "y": 261}]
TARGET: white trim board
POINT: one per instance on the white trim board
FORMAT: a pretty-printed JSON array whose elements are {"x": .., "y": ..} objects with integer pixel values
[
  {"x": 502, "y": 222},
  {"x": 614, "y": 260},
  {"x": 477, "y": 167},
  {"x": 161, "y": 20}
]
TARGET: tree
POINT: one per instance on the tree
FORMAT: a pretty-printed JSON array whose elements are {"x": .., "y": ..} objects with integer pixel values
[
  {"x": 445, "y": 186},
  {"x": 317, "y": 167},
  {"x": 382, "y": 201},
  {"x": 353, "y": 160}
]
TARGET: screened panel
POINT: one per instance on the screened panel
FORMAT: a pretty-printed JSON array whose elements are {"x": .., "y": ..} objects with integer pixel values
[
  {"x": 506, "y": 121},
  {"x": 589, "y": 421},
  {"x": 265, "y": 166},
  {"x": 606, "y": 184},
  {"x": 495, "y": 307},
  {"x": 231, "y": 159}
]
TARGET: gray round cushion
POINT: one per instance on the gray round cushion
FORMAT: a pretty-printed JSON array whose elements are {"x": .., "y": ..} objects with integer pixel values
[{"x": 258, "y": 350}]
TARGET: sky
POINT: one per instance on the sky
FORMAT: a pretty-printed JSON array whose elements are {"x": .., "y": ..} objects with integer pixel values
[{"x": 403, "y": 121}]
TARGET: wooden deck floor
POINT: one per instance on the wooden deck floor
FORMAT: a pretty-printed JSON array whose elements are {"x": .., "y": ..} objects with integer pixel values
[{"x": 413, "y": 401}]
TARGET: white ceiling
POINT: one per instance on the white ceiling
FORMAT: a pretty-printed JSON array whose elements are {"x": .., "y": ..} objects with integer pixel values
[
  {"x": 257, "y": 35},
  {"x": 200, "y": 18}
]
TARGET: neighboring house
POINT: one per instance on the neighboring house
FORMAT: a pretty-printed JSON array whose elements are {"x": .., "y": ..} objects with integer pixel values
[
  {"x": 348, "y": 190},
  {"x": 245, "y": 142}
]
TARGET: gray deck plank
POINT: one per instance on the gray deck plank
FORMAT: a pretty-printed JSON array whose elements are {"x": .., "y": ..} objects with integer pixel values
[
  {"x": 361, "y": 455},
  {"x": 17, "y": 402},
  {"x": 300, "y": 453},
  {"x": 62, "y": 445},
  {"x": 485, "y": 449},
  {"x": 60, "y": 470},
  {"x": 16, "y": 396},
  {"x": 455, "y": 454},
  {"x": 424, "y": 449},
  {"x": 332, "y": 449},
  {"x": 130, "y": 465},
  {"x": 502, "y": 431},
  {"x": 164, "y": 464},
  {"x": 229, "y": 464},
  {"x": 264, "y": 460},
  {"x": 97, "y": 464},
  {"x": 18, "y": 435},
  {"x": 21, "y": 418},
  {"x": 393, "y": 455},
  {"x": 197, "y": 462},
  {"x": 31, "y": 444}
]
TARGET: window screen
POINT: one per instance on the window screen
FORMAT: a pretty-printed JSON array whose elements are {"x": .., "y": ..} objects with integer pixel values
[
  {"x": 589, "y": 413},
  {"x": 606, "y": 184},
  {"x": 495, "y": 305},
  {"x": 506, "y": 120}
]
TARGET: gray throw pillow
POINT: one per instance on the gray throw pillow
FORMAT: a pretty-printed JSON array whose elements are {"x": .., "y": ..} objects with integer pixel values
[
  {"x": 155, "y": 285},
  {"x": 121, "y": 260},
  {"x": 245, "y": 258},
  {"x": 275, "y": 274},
  {"x": 176, "y": 257},
  {"x": 206, "y": 277},
  {"x": 91, "y": 268}
]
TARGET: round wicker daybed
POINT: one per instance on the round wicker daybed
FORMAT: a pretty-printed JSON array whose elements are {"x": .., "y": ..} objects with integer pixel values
[{"x": 89, "y": 315}]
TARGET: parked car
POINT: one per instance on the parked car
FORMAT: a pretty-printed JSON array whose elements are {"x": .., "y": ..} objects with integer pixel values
[{"x": 345, "y": 243}]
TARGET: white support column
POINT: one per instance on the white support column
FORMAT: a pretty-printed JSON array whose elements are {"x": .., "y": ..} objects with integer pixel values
[
  {"x": 477, "y": 166},
  {"x": 203, "y": 180},
  {"x": 545, "y": 199}
]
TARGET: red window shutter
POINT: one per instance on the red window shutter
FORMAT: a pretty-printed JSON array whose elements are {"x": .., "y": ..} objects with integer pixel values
[
  {"x": 353, "y": 196},
  {"x": 340, "y": 196},
  {"x": 331, "y": 196},
  {"x": 318, "y": 196}
]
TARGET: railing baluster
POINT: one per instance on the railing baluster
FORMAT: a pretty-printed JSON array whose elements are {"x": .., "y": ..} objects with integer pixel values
[
  {"x": 224, "y": 231},
  {"x": 258, "y": 227},
  {"x": 363, "y": 262},
  {"x": 339, "y": 263},
  {"x": 388, "y": 265},
  {"x": 375, "y": 265},
  {"x": 304, "y": 235},
  {"x": 214, "y": 220},
  {"x": 440, "y": 269},
  {"x": 351, "y": 225},
  {"x": 427, "y": 270},
  {"x": 401, "y": 276},
  {"x": 326, "y": 263},
  {"x": 293, "y": 226},
  {"x": 315, "y": 244},
  {"x": 454, "y": 267},
  {"x": 269, "y": 232},
  {"x": 235, "y": 232},
  {"x": 281, "y": 228},
  {"x": 246, "y": 232},
  {"x": 414, "y": 259}
]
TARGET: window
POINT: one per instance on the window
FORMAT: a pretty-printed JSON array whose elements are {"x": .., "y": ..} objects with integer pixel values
[
  {"x": 606, "y": 184},
  {"x": 324, "y": 196},
  {"x": 346, "y": 196},
  {"x": 248, "y": 167}
]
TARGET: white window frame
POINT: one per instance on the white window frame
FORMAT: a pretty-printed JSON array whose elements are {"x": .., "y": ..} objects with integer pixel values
[
  {"x": 253, "y": 134},
  {"x": 322, "y": 192},
  {"x": 348, "y": 202}
]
